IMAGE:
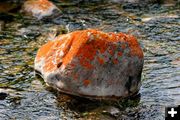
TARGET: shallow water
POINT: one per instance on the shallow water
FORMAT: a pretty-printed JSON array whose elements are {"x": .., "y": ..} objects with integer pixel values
[{"x": 157, "y": 28}]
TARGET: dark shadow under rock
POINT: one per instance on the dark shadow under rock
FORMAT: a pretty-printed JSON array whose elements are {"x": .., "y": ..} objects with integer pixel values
[{"x": 3, "y": 95}]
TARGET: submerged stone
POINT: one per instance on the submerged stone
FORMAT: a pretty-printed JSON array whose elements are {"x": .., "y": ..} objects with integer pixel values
[
  {"x": 3, "y": 95},
  {"x": 92, "y": 63},
  {"x": 41, "y": 9}
]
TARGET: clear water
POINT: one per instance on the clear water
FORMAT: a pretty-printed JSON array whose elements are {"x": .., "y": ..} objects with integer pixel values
[{"x": 157, "y": 28}]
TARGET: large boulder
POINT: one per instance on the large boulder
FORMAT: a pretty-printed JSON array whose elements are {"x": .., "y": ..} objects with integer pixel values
[
  {"x": 41, "y": 9},
  {"x": 91, "y": 63}
]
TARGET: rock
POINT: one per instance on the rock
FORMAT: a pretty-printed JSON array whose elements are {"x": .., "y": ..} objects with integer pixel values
[
  {"x": 41, "y": 9},
  {"x": 2, "y": 25},
  {"x": 93, "y": 64},
  {"x": 3, "y": 95},
  {"x": 6, "y": 17},
  {"x": 8, "y": 6}
]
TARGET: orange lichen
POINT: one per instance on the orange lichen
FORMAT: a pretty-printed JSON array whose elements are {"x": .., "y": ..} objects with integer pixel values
[
  {"x": 86, "y": 63},
  {"x": 75, "y": 76},
  {"x": 72, "y": 65},
  {"x": 84, "y": 46},
  {"x": 39, "y": 4},
  {"x": 135, "y": 50},
  {"x": 44, "y": 4},
  {"x": 115, "y": 61},
  {"x": 49, "y": 66},
  {"x": 100, "y": 60},
  {"x": 112, "y": 50},
  {"x": 123, "y": 46},
  {"x": 87, "y": 51},
  {"x": 133, "y": 45},
  {"x": 120, "y": 53},
  {"x": 86, "y": 82},
  {"x": 42, "y": 52}
]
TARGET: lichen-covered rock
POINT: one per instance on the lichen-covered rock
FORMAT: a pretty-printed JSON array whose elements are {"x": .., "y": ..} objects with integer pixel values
[
  {"x": 93, "y": 64},
  {"x": 40, "y": 9}
]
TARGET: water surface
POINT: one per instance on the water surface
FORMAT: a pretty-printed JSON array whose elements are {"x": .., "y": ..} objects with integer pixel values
[{"x": 25, "y": 96}]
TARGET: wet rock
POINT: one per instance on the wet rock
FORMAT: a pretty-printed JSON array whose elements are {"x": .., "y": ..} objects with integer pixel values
[
  {"x": 8, "y": 6},
  {"x": 112, "y": 111},
  {"x": 29, "y": 32},
  {"x": 2, "y": 25},
  {"x": 93, "y": 64},
  {"x": 41, "y": 9},
  {"x": 3, "y": 95},
  {"x": 6, "y": 17}
]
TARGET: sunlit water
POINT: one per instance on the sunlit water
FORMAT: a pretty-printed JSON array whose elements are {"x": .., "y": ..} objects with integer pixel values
[{"x": 157, "y": 28}]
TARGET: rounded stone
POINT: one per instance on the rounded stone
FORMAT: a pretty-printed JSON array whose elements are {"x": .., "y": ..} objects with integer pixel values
[
  {"x": 92, "y": 63},
  {"x": 41, "y": 9}
]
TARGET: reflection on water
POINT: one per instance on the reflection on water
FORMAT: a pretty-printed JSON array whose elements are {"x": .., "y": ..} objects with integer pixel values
[{"x": 24, "y": 96}]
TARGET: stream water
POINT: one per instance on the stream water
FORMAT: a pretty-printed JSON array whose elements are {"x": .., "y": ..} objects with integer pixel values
[{"x": 25, "y": 96}]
